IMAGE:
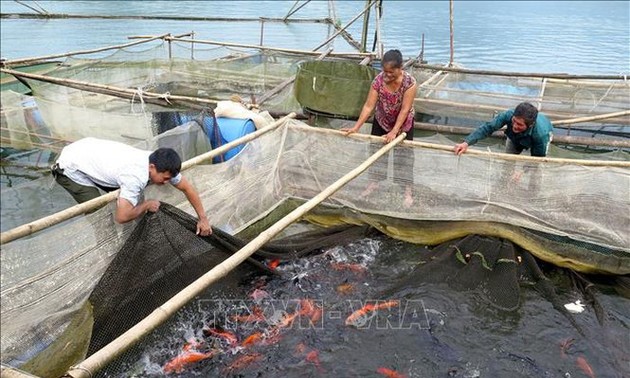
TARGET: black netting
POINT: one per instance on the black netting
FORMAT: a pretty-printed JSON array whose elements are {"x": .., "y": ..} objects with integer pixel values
[
  {"x": 163, "y": 255},
  {"x": 491, "y": 268}
]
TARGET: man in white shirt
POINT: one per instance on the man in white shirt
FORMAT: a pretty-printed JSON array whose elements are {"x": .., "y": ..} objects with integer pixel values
[{"x": 90, "y": 163}]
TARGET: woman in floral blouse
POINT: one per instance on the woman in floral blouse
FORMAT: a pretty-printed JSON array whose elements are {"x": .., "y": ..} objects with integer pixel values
[{"x": 391, "y": 94}]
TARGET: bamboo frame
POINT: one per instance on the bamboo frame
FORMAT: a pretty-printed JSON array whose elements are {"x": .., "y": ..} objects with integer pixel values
[
  {"x": 43, "y": 223},
  {"x": 504, "y": 156},
  {"x": 557, "y": 139},
  {"x": 520, "y": 74},
  {"x": 291, "y": 51},
  {"x": 492, "y": 108},
  {"x": 149, "y": 97},
  {"x": 13, "y": 62},
  {"x": 171, "y": 18},
  {"x": 99, "y": 359}
]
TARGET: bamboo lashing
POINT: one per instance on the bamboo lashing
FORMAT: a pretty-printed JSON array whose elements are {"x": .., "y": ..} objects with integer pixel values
[
  {"x": 504, "y": 156},
  {"x": 99, "y": 359},
  {"x": 13, "y": 62},
  {"x": 95, "y": 203}
]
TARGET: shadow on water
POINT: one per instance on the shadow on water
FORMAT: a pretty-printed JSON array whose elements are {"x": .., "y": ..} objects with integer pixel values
[{"x": 245, "y": 326}]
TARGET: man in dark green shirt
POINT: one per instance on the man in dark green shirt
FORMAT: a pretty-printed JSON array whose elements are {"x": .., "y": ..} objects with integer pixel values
[{"x": 526, "y": 129}]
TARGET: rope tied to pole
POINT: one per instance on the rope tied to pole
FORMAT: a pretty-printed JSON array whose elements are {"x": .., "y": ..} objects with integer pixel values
[{"x": 138, "y": 92}]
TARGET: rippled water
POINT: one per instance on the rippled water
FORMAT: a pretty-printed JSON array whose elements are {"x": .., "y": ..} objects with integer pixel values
[{"x": 581, "y": 37}]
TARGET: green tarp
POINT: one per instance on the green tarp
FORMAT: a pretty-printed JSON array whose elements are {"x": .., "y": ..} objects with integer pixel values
[{"x": 336, "y": 88}]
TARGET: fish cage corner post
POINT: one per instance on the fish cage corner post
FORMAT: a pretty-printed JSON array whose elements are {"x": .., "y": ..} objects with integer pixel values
[
  {"x": 366, "y": 22},
  {"x": 379, "y": 38},
  {"x": 450, "y": 11},
  {"x": 192, "y": 45},
  {"x": 169, "y": 38},
  {"x": 262, "y": 30}
]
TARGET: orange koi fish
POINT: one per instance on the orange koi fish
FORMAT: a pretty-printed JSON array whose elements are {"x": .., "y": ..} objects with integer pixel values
[
  {"x": 252, "y": 339},
  {"x": 586, "y": 368},
  {"x": 356, "y": 268},
  {"x": 389, "y": 373},
  {"x": 243, "y": 361},
  {"x": 310, "y": 309},
  {"x": 313, "y": 357},
  {"x": 363, "y": 311},
  {"x": 255, "y": 316},
  {"x": 273, "y": 264},
  {"x": 182, "y": 360},
  {"x": 345, "y": 288},
  {"x": 225, "y": 335},
  {"x": 288, "y": 320}
]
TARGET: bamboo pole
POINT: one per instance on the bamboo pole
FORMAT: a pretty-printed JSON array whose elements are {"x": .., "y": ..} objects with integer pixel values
[
  {"x": 379, "y": 38},
  {"x": 347, "y": 36},
  {"x": 541, "y": 94},
  {"x": 95, "y": 203},
  {"x": 31, "y": 8},
  {"x": 623, "y": 82},
  {"x": 494, "y": 108},
  {"x": 149, "y": 97},
  {"x": 557, "y": 139},
  {"x": 450, "y": 62},
  {"x": 343, "y": 28},
  {"x": 291, "y": 12},
  {"x": 172, "y": 18},
  {"x": 99, "y": 359},
  {"x": 437, "y": 88},
  {"x": 520, "y": 74},
  {"x": 364, "y": 29},
  {"x": 290, "y": 51},
  {"x": 504, "y": 156},
  {"x": 591, "y": 118},
  {"x": 13, "y": 62},
  {"x": 290, "y": 80}
]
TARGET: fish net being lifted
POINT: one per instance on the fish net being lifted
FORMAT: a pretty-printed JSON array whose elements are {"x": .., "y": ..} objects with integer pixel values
[{"x": 63, "y": 288}]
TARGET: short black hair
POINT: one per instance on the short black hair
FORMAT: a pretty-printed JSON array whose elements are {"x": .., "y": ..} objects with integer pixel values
[
  {"x": 393, "y": 57},
  {"x": 526, "y": 111},
  {"x": 166, "y": 160}
]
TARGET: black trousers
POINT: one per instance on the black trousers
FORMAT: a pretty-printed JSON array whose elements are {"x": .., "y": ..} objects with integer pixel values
[{"x": 80, "y": 193}]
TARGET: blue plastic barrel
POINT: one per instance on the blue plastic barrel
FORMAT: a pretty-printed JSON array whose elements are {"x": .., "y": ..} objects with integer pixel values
[{"x": 228, "y": 130}]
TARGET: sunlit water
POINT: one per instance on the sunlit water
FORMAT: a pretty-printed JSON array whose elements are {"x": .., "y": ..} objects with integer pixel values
[
  {"x": 435, "y": 331},
  {"x": 580, "y": 37}
]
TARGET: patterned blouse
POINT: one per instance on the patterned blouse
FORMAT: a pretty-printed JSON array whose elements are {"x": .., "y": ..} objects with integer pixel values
[{"x": 389, "y": 103}]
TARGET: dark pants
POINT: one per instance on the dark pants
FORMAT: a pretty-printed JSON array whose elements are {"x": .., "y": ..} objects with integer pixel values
[
  {"x": 403, "y": 159},
  {"x": 80, "y": 193}
]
